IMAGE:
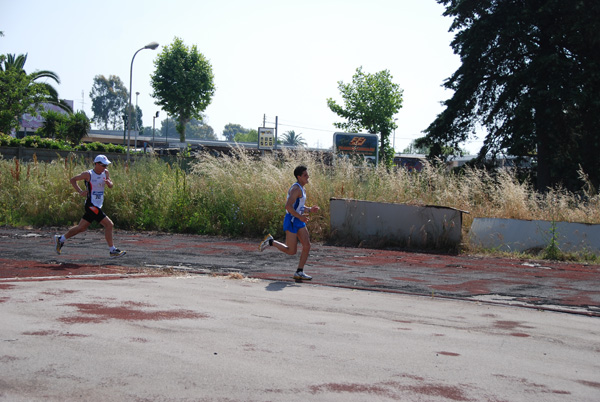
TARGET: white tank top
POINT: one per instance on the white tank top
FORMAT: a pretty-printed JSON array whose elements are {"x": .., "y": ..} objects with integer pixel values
[
  {"x": 95, "y": 188},
  {"x": 299, "y": 204}
]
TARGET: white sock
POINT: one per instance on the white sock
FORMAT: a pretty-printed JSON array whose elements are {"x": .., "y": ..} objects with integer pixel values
[
  {"x": 62, "y": 239},
  {"x": 113, "y": 248}
]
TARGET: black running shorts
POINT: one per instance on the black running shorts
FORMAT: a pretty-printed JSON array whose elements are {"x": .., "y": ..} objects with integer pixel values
[{"x": 93, "y": 213}]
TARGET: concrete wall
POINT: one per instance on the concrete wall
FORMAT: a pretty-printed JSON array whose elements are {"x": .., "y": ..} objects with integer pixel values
[
  {"x": 522, "y": 235},
  {"x": 377, "y": 224}
]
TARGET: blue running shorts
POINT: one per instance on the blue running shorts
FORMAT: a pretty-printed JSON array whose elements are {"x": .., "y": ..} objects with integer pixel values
[{"x": 292, "y": 226}]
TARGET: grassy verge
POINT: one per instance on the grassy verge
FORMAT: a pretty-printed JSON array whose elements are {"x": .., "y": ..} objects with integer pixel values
[{"x": 245, "y": 196}]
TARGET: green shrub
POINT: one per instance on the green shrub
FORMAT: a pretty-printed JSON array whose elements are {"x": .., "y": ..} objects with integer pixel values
[{"x": 34, "y": 141}]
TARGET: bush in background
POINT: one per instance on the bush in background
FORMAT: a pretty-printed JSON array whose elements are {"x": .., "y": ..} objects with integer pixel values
[{"x": 34, "y": 141}]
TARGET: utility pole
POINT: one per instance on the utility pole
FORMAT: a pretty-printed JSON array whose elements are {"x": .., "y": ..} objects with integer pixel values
[
  {"x": 137, "y": 126},
  {"x": 395, "y": 120},
  {"x": 82, "y": 101}
]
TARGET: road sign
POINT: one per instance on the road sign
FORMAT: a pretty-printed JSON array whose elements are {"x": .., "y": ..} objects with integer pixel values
[
  {"x": 266, "y": 138},
  {"x": 357, "y": 144}
]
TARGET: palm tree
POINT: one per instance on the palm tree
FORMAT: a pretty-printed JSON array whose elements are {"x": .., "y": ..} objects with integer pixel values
[
  {"x": 291, "y": 138},
  {"x": 18, "y": 64}
]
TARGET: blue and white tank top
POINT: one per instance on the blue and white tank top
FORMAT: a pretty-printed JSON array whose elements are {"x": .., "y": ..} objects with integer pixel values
[
  {"x": 95, "y": 188},
  {"x": 299, "y": 204}
]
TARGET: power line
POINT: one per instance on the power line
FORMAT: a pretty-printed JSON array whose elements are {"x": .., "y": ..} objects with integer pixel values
[
  {"x": 297, "y": 125},
  {"x": 324, "y": 130},
  {"x": 306, "y": 128},
  {"x": 335, "y": 129}
]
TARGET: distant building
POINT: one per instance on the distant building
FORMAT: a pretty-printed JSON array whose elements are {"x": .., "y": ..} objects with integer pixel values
[
  {"x": 411, "y": 162},
  {"x": 30, "y": 123},
  {"x": 501, "y": 161}
]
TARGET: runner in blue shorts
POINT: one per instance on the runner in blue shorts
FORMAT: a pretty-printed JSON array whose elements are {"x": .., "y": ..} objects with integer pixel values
[{"x": 294, "y": 223}]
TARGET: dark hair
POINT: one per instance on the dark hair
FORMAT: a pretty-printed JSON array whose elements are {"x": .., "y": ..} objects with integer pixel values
[{"x": 299, "y": 170}]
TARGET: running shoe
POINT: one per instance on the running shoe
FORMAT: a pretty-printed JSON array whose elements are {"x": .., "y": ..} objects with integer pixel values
[
  {"x": 300, "y": 275},
  {"x": 266, "y": 242},
  {"x": 117, "y": 253},
  {"x": 58, "y": 243}
]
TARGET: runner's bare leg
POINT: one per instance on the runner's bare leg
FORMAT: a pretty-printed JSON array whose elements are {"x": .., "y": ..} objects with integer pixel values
[{"x": 291, "y": 243}]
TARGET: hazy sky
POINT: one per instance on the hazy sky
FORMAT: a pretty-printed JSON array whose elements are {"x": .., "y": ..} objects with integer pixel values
[{"x": 269, "y": 57}]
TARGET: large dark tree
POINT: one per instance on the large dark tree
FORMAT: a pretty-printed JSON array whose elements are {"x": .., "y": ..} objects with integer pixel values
[{"x": 530, "y": 75}]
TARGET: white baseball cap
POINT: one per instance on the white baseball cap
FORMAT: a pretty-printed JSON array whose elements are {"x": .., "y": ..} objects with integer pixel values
[{"x": 102, "y": 159}]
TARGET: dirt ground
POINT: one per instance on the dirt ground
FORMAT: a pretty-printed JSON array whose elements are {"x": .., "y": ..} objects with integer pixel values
[{"x": 28, "y": 254}]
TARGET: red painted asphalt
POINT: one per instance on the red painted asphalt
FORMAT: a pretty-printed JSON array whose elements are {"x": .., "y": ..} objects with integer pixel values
[{"x": 28, "y": 254}]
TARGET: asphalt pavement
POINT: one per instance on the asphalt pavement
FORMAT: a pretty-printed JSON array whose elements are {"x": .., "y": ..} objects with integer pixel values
[
  {"x": 194, "y": 318},
  {"x": 559, "y": 286}
]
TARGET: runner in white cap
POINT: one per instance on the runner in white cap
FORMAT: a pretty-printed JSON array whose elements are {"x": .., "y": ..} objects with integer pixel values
[{"x": 96, "y": 180}]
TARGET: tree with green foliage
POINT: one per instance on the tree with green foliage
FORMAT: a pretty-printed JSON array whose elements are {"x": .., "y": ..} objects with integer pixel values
[
  {"x": 110, "y": 99},
  {"x": 22, "y": 93},
  {"x": 79, "y": 127},
  {"x": 206, "y": 132},
  {"x": 167, "y": 129},
  {"x": 415, "y": 147},
  {"x": 71, "y": 128},
  {"x": 291, "y": 138},
  {"x": 54, "y": 125},
  {"x": 371, "y": 101},
  {"x": 18, "y": 63},
  {"x": 231, "y": 130},
  {"x": 250, "y": 136},
  {"x": 197, "y": 129},
  {"x": 530, "y": 75},
  {"x": 137, "y": 115},
  {"x": 18, "y": 95},
  {"x": 182, "y": 83}
]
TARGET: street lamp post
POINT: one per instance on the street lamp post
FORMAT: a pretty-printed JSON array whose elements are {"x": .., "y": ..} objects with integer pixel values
[
  {"x": 153, "y": 129},
  {"x": 124, "y": 129},
  {"x": 153, "y": 46},
  {"x": 395, "y": 120},
  {"x": 137, "y": 126}
]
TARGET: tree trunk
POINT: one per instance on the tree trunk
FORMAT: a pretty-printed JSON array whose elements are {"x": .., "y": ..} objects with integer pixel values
[{"x": 543, "y": 153}]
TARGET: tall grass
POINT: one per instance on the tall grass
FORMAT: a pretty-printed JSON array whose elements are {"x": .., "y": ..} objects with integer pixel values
[{"x": 245, "y": 195}]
